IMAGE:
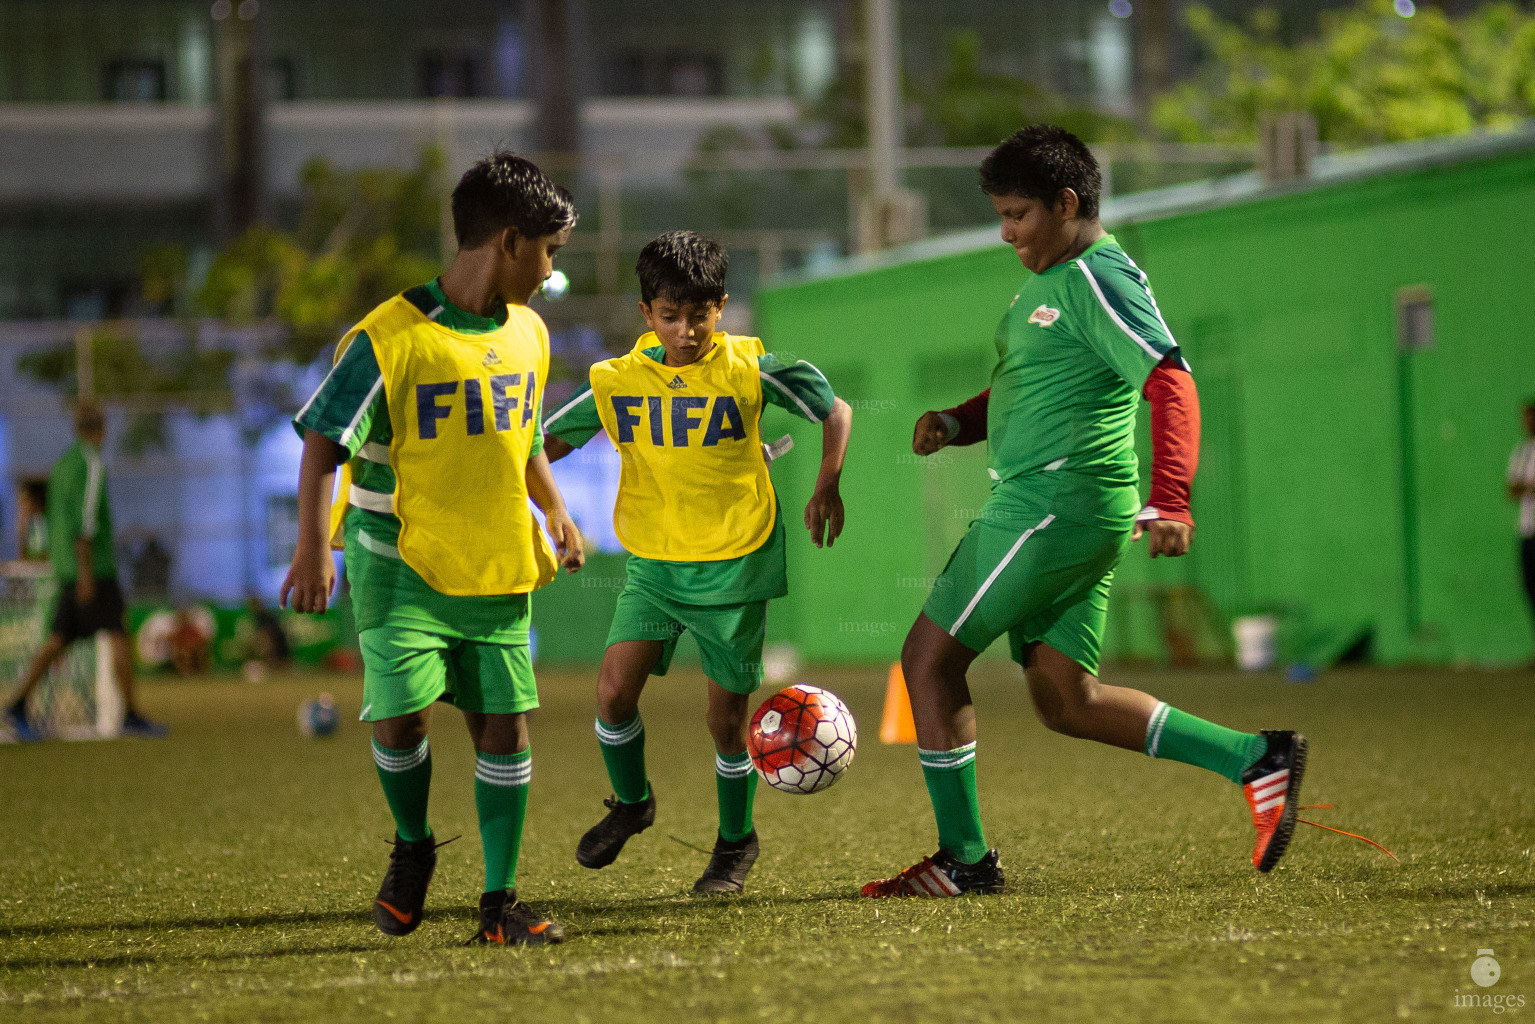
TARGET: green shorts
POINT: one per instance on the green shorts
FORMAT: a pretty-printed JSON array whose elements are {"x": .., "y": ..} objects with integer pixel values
[
  {"x": 729, "y": 635},
  {"x": 405, "y": 670},
  {"x": 1033, "y": 577}
]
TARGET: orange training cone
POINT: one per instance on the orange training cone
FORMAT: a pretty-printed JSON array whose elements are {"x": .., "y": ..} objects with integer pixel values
[{"x": 897, "y": 726}]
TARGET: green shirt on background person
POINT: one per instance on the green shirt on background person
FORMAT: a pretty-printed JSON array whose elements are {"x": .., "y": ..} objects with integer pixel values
[{"x": 78, "y": 509}]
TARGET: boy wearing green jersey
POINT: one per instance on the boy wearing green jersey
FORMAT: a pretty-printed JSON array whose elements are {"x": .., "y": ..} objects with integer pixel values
[
  {"x": 1082, "y": 342},
  {"x": 432, "y": 407}
]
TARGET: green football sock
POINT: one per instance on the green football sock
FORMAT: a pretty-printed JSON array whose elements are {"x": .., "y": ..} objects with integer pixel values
[
  {"x": 501, "y": 797},
  {"x": 735, "y": 780},
  {"x": 623, "y": 751},
  {"x": 1177, "y": 736},
  {"x": 950, "y": 776},
  {"x": 407, "y": 779}
]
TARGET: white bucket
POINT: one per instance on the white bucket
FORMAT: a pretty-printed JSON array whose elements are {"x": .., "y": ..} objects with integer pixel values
[{"x": 1257, "y": 640}]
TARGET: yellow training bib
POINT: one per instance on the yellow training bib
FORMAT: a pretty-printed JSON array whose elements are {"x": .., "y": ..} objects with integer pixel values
[
  {"x": 464, "y": 410},
  {"x": 693, "y": 485}
]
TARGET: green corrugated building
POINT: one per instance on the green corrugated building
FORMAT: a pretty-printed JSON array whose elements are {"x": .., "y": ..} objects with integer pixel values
[{"x": 1362, "y": 341}]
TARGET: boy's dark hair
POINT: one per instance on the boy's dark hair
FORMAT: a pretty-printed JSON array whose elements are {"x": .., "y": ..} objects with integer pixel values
[
  {"x": 1037, "y": 162},
  {"x": 89, "y": 416},
  {"x": 36, "y": 490},
  {"x": 506, "y": 191},
  {"x": 683, "y": 266}
]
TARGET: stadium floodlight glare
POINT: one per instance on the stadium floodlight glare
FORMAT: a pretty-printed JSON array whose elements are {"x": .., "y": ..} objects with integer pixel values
[
  {"x": 1120, "y": 8},
  {"x": 1406, "y": 8},
  {"x": 556, "y": 286}
]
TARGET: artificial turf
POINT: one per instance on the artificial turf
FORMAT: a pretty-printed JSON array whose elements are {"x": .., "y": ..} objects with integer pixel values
[{"x": 226, "y": 873}]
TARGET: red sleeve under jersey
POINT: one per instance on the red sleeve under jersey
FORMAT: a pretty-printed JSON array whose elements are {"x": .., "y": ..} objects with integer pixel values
[
  {"x": 1174, "y": 402},
  {"x": 972, "y": 419},
  {"x": 1174, "y": 442}
]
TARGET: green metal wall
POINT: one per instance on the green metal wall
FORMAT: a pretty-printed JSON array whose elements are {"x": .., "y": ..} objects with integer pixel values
[{"x": 1286, "y": 307}]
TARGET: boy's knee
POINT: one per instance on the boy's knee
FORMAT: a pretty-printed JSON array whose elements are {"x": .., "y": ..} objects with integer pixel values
[
  {"x": 615, "y": 709},
  {"x": 918, "y": 663},
  {"x": 616, "y": 700},
  {"x": 400, "y": 733}
]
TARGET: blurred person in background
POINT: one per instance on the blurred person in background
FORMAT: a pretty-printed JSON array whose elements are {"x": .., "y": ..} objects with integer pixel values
[
  {"x": 32, "y": 520},
  {"x": 191, "y": 645},
  {"x": 262, "y": 643},
  {"x": 85, "y": 570},
  {"x": 1521, "y": 487}
]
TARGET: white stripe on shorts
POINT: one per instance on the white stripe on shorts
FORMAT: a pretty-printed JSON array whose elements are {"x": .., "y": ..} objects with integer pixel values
[{"x": 976, "y": 599}]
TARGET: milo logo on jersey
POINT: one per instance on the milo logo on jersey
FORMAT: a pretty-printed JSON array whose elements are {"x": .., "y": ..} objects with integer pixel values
[
  {"x": 511, "y": 397},
  {"x": 645, "y": 417}
]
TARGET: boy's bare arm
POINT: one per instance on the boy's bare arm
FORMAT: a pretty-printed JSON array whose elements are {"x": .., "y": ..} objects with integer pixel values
[
  {"x": 546, "y": 495},
  {"x": 556, "y": 448},
  {"x": 823, "y": 515},
  {"x": 313, "y": 573}
]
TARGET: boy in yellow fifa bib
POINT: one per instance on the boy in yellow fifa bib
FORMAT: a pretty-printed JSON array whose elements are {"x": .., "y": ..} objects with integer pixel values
[
  {"x": 697, "y": 512},
  {"x": 432, "y": 410}
]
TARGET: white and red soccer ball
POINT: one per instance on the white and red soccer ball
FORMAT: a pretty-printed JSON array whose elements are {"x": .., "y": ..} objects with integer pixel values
[{"x": 802, "y": 739}]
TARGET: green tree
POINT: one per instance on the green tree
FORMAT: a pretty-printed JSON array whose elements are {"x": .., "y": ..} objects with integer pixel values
[
  {"x": 1369, "y": 77},
  {"x": 967, "y": 106},
  {"x": 179, "y": 372},
  {"x": 974, "y": 107},
  {"x": 361, "y": 236}
]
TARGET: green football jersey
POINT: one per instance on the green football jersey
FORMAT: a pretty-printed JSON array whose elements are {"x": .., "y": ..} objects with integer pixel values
[
  {"x": 1073, "y": 352},
  {"x": 78, "y": 508}
]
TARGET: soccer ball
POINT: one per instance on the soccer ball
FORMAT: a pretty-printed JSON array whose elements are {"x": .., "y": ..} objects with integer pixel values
[
  {"x": 802, "y": 739},
  {"x": 318, "y": 717}
]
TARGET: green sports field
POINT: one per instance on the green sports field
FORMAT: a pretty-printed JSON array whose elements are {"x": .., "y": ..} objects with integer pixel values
[{"x": 225, "y": 874}]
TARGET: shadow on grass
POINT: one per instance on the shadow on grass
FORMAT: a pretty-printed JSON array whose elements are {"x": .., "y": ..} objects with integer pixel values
[
  {"x": 185, "y": 923},
  {"x": 660, "y": 908},
  {"x": 152, "y": 960},
  {"x": 688, "y": 903},
  {"x": 1425, "y": 894}
]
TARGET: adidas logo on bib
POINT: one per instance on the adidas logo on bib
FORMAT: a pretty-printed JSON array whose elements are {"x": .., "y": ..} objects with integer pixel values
[
  {"x": 676, "y": 381},
  {"x": 491, "y": 359}
]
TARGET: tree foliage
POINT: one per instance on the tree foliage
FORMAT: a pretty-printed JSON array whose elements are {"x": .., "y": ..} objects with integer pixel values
[
  {"x": 974, "y": 107},
  {"x": 966, "y": 106},
  {"x": 1370, "y": 76},
  {"x": 121, "y": 368},
  {"x": 360, "y": 237}
]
